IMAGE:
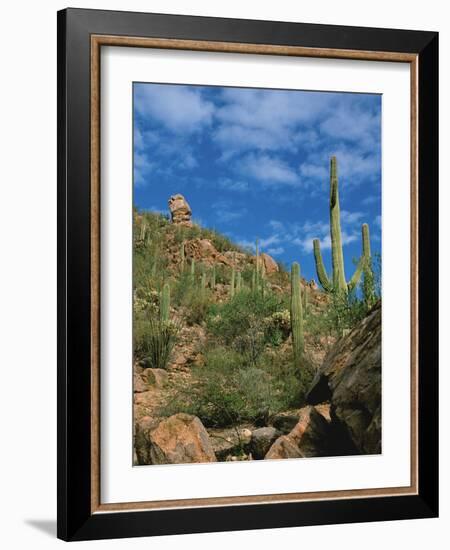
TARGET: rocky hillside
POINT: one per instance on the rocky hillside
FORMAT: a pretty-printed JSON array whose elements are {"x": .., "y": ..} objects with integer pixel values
[{"x": 222, "y": 372}]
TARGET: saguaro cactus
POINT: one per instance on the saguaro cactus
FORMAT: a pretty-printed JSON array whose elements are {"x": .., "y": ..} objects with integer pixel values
[
  {"x": 203, "y": 284},
  {"x": 164, "y": 303},
  {"x": 296, "y": 314},
  {"x": 263, "y": 279},
  {"x": 182, "y": 256},
  {"x": 254, "y": 280},
  {"x": 238, "y": 281},
  {"x": 338, "y": 283},
  {"x": 213, "y": 277},
  {"x": 232, "y": 282},
  {"x": 192, "y": 269},
  {"x": 143, "y": 230}
]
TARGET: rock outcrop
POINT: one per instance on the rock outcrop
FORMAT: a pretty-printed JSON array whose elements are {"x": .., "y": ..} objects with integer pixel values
[
  {"x": 350, "y": 379},
  {"x": 141, "y": 439},
  {"x": 204, "y": 251},
  {"x": 179, "y": 439},
  {"x": 270, "y": 265},
  {"x": 310, "y": 437},
  {"x": 227, "y": 442},
  {"x": 261, "y": 441},
  {"x": 180, "y": 211},
  {"x": 155, "y": 377}
]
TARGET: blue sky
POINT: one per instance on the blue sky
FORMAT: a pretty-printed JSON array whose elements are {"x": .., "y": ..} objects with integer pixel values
[{"x": 254, "y": 163}]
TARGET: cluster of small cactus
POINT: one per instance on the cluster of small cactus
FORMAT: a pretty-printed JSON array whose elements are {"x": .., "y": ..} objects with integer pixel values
[
  {"x": 296, "y": 314},
  {"x": 338, "y": 282}
]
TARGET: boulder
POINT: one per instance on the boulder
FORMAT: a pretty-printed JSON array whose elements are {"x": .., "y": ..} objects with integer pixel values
[
  {"x": 141, "y": 439},
  {"x": 350, "y": 379},
  {"x": 203, "y": 250},
  {"x": 238, "y": 259},
  {"x": 180, "y": 211},
  {"x": 180, "y": 439},
  {"x": 155, "y": 377},
  {"x": 261, "y": 441},
  {"x": 310, "y": 437},
  {"x": 229, "y": 441},
  {"x": 270, "y": 265},
  {"x": 285, "y": 421},
  {"x": 139, "y": 384}
]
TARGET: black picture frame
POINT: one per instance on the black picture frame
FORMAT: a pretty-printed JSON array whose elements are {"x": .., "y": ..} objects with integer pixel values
[{"x": 75, "y": 518}]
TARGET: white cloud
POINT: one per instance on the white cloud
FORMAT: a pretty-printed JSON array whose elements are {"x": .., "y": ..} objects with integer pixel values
[
  {"x": 233, "y": 185},
  {"x": 268, "y": 241},
  {"x": 142, "y": 168},
  {"x": 371, "y": 199},
  {"x": 275, "y": 251},
  {"x": 181, "y": 109},
  {"x": 354, "y": 166},
  {"x": 225, "y": 211},
  {"x": 306, "y": 243},
  {"x": 267, "y": 169},
  {"x": 350, "y": 218}
]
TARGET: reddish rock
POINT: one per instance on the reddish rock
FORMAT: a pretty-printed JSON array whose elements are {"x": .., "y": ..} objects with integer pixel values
[
  {"x": 350, "y": 379},
  {"x": 309, "y": 437},
  {"x": 180, "y": 211},
  {"x": 270, "y": 265},
  {"x": 141, "y": 440},
  {"x": 155, "y": 377},
  {"x": 261, "y": 441},
  {"x": 179, "y": 439},
  {"x": 202, "y": 250},
  {"x": 139, "y": 384}
]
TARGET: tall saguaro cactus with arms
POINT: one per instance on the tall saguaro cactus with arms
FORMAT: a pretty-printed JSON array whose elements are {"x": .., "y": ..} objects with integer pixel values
[{"x": 338, "y": 282}]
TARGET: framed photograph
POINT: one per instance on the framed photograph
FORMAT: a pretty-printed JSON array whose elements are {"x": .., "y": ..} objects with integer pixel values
[{"x": 248, "y": 298}]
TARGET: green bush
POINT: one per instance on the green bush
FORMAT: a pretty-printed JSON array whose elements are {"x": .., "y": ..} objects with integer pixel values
[
  {"x": 226, "y": 392},
  {"x": 246, "y": 311},
  {"x": 154, "y": 340}
]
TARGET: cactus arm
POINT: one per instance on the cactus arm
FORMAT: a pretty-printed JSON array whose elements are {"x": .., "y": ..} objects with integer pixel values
[
  {"x": 364, "y": 261},
  {"x": 366, "y": 240},
  {"x": 356, "y": 275},
  {"x": 320, "y": 268}
]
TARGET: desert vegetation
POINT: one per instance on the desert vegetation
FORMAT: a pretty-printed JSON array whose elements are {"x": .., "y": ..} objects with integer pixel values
[{"x": 230, "y": 343}]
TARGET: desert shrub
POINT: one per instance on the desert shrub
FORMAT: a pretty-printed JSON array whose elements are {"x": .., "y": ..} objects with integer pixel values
[
  {"x": 341, "y": 314},
  {"x": 187, "y": 293},
  {"x": 154, "y": 340},
  {"x": 244, "y": 323},
  {"x": 246, "y": 311},
  {"x": 226, "y": 392},
  {"x": 196, "y": 306}
]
